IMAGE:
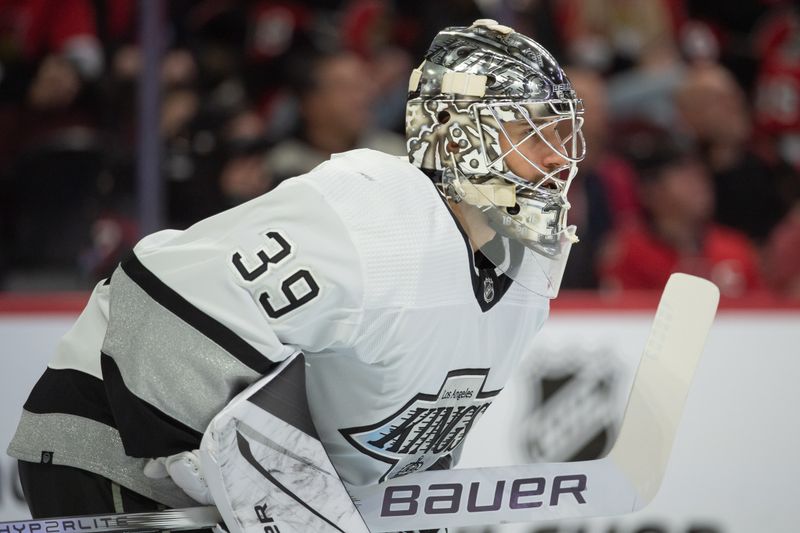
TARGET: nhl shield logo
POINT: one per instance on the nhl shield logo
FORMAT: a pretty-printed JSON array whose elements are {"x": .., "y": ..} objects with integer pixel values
[
  {"x": 488, "y": 290},
  {"x": 426, "y": 428}
]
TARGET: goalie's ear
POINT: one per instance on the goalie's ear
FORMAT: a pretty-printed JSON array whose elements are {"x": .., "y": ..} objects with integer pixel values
[{"x": 265, "y": 465}]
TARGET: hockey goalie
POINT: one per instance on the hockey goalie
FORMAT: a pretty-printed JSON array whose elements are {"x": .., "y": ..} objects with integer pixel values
[{"x": 345, "y": 329}]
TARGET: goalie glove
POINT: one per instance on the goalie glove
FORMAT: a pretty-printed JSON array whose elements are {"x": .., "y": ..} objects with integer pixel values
[{"x": 184, "y": 469}]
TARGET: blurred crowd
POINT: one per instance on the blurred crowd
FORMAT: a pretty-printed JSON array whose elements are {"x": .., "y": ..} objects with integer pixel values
[{"x": 692, "y": 123}]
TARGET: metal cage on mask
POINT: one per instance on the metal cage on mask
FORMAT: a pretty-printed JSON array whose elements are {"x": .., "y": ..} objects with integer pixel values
[{"x": 527, "y": 210}]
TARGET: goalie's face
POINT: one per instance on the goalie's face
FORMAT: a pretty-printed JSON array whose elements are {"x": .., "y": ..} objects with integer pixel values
[
  {"x": 537, "y": 145},
  {"x": 528, "y": 152}
]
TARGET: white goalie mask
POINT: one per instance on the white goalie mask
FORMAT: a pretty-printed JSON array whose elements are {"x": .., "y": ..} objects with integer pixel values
[{"x": 493, "y": 119}]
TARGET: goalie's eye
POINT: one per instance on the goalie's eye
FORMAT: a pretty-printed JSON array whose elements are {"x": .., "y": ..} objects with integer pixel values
[{"x": 520, "y": 130}]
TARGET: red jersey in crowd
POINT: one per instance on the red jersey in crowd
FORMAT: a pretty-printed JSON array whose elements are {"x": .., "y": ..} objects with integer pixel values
[{"x": 636, "y": 258}]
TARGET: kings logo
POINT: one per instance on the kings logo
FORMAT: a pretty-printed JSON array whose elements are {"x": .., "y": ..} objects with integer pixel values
[{"x": 426, "y": 428}]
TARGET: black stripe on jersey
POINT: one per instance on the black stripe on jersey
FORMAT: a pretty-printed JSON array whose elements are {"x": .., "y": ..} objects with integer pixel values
[
  {"x": 208, "y": 326},
  {"x": 70, "y": 392},
  {"x": 486, "y": 271},
  {"x": 285, "y": 397},
  {"x": 145, "y": 430}
]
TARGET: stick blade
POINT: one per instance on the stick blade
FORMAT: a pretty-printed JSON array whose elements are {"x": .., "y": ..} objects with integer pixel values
[{"x": 677, "y": 338}]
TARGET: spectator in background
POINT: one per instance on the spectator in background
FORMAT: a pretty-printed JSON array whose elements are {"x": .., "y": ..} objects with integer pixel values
[
  {"x": 777, "y": 100},
  {"x": 50, "y": 147},
  {"x": 644, "y": 90},
  {"x": 777, "y": 114},
  {"x": 49, "y": 55},
  {"x": 244, "y": 176},
  {"x": 615, "y": 35},
  {"x": 727, "y": 28},
  {"x": 335, "y": 99},
  {"x": 677, "y": 233},
  {"x": 188, "y": 165},
  {"x": 34, "y": 30},
  {"x": 371, "y": 29},
  {"x": 782, "y": 256},
  {"x": 603, "y": 194},
  {"x": 748, "y": 187}
]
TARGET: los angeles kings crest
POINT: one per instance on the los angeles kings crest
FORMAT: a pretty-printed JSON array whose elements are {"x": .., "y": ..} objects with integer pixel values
[{"x": 428, "y": 427}]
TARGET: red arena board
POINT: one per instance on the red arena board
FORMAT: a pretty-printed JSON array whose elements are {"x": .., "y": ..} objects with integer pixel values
[{"x": 66, "y": 303}]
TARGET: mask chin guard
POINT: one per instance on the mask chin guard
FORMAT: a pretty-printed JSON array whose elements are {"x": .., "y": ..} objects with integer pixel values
[{"x": 494, "y": 192}]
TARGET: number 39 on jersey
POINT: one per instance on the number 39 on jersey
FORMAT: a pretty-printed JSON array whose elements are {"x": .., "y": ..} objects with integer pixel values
[{"x": 282, "y": 293}]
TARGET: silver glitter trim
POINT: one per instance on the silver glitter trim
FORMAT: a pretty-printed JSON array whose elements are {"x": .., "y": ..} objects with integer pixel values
[
  {"x": 89, "y": 445},
  {"x": 166, "y": 362}
]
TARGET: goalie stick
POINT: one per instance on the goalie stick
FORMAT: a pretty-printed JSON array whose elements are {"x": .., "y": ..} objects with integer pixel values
[
  {"x": 624, "y": 481},
  {"x": 171, "y": 519}
]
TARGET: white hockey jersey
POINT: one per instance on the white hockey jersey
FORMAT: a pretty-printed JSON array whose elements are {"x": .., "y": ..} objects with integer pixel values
[{"x": 359, "y": 264}]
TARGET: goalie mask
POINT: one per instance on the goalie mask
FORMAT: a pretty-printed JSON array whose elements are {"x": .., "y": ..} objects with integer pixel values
[{"x": 493, "y": 119}]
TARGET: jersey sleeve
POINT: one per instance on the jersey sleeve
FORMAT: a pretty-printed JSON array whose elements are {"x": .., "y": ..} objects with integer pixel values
[
  {"x": 78, "y": 348},
  {"x": 197, "y": 315}
]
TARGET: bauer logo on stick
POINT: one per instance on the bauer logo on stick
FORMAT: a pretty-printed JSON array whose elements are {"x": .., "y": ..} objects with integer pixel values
[{"x": 446, "y": 498}]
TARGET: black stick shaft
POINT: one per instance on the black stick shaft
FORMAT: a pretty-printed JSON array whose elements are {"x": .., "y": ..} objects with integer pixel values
[{"x": 172, "y": 519}]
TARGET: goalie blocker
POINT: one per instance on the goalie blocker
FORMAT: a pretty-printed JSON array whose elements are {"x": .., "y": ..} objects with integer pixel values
[{"x": 265, "y": 466}]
